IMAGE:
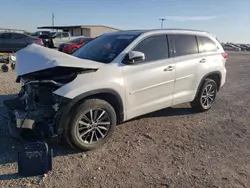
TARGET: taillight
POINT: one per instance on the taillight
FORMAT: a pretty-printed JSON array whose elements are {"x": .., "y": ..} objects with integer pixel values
[
  {"x": 39, "y": 41},
  {"x": 225, "y": 55}
]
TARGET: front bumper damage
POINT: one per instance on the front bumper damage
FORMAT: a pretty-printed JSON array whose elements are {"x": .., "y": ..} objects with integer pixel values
[
  {"x": 32, "y": 120},
  {"x": 17, "y": 118},
  {"x": 37, "y": 108}
]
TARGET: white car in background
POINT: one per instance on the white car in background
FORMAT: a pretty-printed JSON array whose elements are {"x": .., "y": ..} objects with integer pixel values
[
  {"x": 61, "y": 37},
  {"x": 112, "y": 79}
]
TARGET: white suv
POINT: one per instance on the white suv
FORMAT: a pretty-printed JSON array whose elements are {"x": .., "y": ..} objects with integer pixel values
[{"x": 114, "y": 78}]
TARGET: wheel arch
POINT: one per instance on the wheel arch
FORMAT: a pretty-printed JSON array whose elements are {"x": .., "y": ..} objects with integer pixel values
[
  {"x": 215, "y": 75},
  {"x": 108, "y": 95}
]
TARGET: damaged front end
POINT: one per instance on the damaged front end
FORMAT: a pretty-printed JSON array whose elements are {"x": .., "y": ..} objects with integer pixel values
[{"x": 35, "y": 110}]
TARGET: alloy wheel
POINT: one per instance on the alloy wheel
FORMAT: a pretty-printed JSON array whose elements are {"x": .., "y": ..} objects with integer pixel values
[
  {"x": 208, "y": 96},
  {"x": 93, "y": 125}
]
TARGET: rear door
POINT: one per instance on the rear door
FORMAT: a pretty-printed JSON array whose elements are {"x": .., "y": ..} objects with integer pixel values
[
  {"x": 150, "y": 83},
  {"x": 4, "y": 42},
  {"x": 190, "y": 67},
  {"x": 211, "y": 51},
  {"x": 18, "y": 41}
]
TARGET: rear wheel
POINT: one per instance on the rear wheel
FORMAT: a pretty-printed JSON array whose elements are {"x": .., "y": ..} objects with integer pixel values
[
  {"x": 206, "y": 96},
  {"x": 91, "y": 124}
]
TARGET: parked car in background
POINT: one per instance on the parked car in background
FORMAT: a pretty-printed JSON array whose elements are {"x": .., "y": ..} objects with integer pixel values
[
  {"x": 114, "y": 78},
  {"x": 245, "y": 47},
  {"x": 39, "y": 33},
  {"x": 46, "y": 36},
  {"x": 73, "y": 45},
  {"x": 237, "y": 46},
  {"x": 61, "y": 37},
  {"x": 230, "y": 47},
  {"x": 12, "y": 42}
]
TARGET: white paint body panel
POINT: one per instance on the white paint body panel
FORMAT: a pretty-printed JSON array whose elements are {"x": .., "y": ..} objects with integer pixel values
[
  {"x": 148, "y": 87},
  {"x": 143, "y": 88}
]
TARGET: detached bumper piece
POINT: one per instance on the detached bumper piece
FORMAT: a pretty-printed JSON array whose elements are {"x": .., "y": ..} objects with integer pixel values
[{"x": 37, "y": 157}]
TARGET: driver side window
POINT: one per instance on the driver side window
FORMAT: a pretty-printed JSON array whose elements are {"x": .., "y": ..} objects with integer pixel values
[
  {"x": 58, "y": 35},
  {"x": 154, "y": 47}
]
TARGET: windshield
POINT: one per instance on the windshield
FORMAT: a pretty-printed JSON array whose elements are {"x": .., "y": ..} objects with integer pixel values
[{"x": 105, "y": 48}]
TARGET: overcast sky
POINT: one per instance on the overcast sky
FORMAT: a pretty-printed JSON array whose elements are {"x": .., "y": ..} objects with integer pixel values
[{"x": 229, "y": 20}]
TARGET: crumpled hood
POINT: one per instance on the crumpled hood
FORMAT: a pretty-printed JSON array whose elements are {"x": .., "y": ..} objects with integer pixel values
[{"x": 35, "y": 58}]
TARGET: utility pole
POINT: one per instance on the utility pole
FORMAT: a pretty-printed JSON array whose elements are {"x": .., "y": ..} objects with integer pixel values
[
  {"x": 53, "y": 19},
  {"x": 162, "y": 20}
]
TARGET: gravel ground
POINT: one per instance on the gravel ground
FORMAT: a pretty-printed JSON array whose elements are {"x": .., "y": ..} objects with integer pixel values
[{"x": 170, "y": 148}]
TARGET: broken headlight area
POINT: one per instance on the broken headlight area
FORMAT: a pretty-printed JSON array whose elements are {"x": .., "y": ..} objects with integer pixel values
[{"x": 36, "y": 108}]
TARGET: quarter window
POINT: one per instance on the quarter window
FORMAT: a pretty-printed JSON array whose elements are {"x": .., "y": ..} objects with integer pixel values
[
  {"x": 185, "y": 44},
  {"x": 154, "y": 48},
  {"x": 206, "y": 45}
]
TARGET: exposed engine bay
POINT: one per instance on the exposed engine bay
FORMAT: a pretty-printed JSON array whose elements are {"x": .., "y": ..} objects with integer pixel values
[{"x": 36, "y": 108}]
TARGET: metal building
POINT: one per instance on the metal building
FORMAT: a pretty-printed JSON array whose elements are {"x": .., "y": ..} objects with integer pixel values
[{"x": 83, "y": 30}]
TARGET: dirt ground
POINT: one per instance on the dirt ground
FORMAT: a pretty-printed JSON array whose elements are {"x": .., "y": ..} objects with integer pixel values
[{"x": 171, "y": 148}]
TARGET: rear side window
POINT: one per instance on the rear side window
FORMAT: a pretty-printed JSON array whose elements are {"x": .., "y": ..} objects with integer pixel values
[
  {"x": 154, "y": 48},
  {"x": 184, "y": 44},
  {"x": 206, "y": 45},
  {"x": 18, "y": 36}
]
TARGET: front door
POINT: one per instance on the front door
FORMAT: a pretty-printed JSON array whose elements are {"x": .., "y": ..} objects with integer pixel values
[
  {"x": 150, "y": 83},
  {"x": 5, "y": 42}
]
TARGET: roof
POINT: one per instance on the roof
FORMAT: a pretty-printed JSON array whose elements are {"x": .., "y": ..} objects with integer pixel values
[
  {"x": 152, "y": 30},
  {"x": 74, "y": 26},
  {"x": 139, "y": 32}
]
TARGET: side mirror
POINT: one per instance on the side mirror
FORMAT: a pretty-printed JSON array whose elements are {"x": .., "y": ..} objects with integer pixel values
[{"x": 135, "y": 56}]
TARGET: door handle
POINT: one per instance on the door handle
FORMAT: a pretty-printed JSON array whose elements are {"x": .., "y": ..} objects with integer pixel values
[
  {"x": 169, "y": 68},
  {"x": 203, "y": 60}
]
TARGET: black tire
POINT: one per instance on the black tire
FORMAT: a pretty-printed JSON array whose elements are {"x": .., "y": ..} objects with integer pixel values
[
  {"x": 73, "y": 50},
  {"x": 72, "y": 133},
  {"x": 197, "y": 104}
]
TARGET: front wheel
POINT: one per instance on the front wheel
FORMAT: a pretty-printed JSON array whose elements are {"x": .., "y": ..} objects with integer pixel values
[
  {"x": 91, "y": 124},
  {"x": 206, "y": 96}
]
